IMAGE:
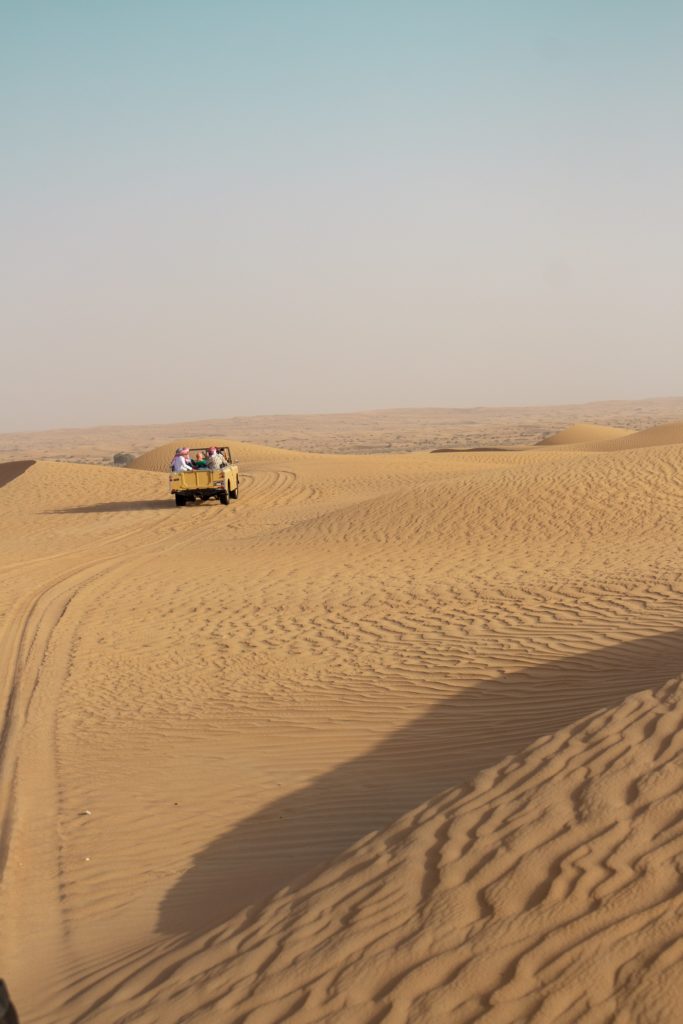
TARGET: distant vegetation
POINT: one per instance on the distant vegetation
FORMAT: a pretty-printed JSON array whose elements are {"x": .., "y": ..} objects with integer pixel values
[{"x": 123, "y": 458}]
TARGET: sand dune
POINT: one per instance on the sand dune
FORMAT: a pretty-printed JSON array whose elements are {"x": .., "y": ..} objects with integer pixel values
[
  {"x": 266, "y": 707},
  {"x": 159, "y": 459},
  {"x": 383, "y": 430},
  {"x": 580, "y": 433},
  {"x": 548, "y": 889},
  {"x": 666, "y": 433}
]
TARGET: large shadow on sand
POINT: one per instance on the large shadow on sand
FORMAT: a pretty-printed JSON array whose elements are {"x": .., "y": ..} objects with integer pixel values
[
  {"x": 11, "y": 470},
  {"x": 114, "y": 506},
  {"x": 296, "y": 835}
]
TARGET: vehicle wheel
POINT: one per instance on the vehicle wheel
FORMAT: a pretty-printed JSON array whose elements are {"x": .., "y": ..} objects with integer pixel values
[
  {"x": 180, "y": 500},
  {"x": 224, "y": 498},
  {"x": 236, "y": 493}
]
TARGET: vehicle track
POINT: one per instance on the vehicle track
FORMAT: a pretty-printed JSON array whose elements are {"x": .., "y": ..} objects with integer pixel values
[
  {"x": 38, "y": 639},
  {"x": 116, "y": 538}
]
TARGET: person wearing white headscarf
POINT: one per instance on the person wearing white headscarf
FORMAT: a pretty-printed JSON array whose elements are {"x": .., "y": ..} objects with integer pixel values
[
  {"x": 215, "y": 459},
  {"x": 181, "y": 462}
]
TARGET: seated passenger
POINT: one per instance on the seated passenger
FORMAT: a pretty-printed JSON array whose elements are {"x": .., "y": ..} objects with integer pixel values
[
  {"x": 181, "y": 461},
  {"x": 215, "y": 460},
  {"x": 199, "y": 462}
]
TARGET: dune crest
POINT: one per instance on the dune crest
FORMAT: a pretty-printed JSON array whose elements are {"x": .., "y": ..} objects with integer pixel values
[
  {"x": 547, "y": 890},
  {"x": 159, "y": 459},
  {"x": 582, "y": 433},
  {"x": 665, "y": 434},
  {"x": 353, "y": 433}
]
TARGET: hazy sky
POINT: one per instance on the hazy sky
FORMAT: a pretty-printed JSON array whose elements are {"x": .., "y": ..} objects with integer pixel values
[{"x": 214, "y": 207}]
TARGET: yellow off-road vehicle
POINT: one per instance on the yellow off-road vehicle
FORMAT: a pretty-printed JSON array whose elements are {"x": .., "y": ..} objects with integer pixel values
[{"x": 201, "y": 483}]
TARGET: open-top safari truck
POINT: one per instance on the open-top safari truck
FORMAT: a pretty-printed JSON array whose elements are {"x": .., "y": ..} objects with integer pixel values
[{"x": 201, "y": 483}]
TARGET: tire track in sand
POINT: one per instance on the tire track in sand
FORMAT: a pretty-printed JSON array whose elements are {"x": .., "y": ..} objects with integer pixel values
[{"x": 35, "y": 658}]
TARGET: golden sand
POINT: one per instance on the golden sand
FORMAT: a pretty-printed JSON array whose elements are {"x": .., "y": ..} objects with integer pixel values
[
  {"x": 391, "y": 738},
  {"x": 582, "y": 433}
]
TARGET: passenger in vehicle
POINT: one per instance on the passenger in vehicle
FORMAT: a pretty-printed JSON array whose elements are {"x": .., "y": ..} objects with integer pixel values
[
  {"x": 199, "y": 462},
  {"x": 215, "y": 459},
  {"x": 181, "y": 461}
]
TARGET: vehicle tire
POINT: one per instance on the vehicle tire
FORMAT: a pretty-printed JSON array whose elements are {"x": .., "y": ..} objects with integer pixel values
[
  {"x": 224, "y": 498},
  {"x": 180, "y": 500},
  {"x": 236, "y": 493}
]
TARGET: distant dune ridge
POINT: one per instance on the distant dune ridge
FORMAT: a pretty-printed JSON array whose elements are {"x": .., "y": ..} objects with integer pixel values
[
  {"x": 593, "y": 437},
  {"x": 666, "y": 433},
  {"x": 380, "y": 430},
  {"x": 580, "y": 433},
  {"x": 609, "y": 439},
  {"x": 390, "y": 738},
  {"x": 159, "y": 459}
]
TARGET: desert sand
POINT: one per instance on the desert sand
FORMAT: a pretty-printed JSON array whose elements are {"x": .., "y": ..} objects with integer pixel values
[
  {"x": 586, "y": 433},
  {"x": 374, "y": 431},
  {"x": 393, "y": 737}
]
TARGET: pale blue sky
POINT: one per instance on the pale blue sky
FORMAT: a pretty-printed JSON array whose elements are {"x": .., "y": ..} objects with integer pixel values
[{"x": 217, "y": 208}]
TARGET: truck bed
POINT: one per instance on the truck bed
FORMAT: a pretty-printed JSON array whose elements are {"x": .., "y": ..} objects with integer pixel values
[{"x": 197, "y": 479}]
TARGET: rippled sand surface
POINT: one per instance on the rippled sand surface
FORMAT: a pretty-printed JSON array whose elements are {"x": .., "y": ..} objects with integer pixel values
[{"x": 390, "y": 738}]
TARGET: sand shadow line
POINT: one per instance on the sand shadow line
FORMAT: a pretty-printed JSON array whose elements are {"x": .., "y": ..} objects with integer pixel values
[
  {"x": 445, "y": 747},
  {"x": 113, "y": 506}
]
